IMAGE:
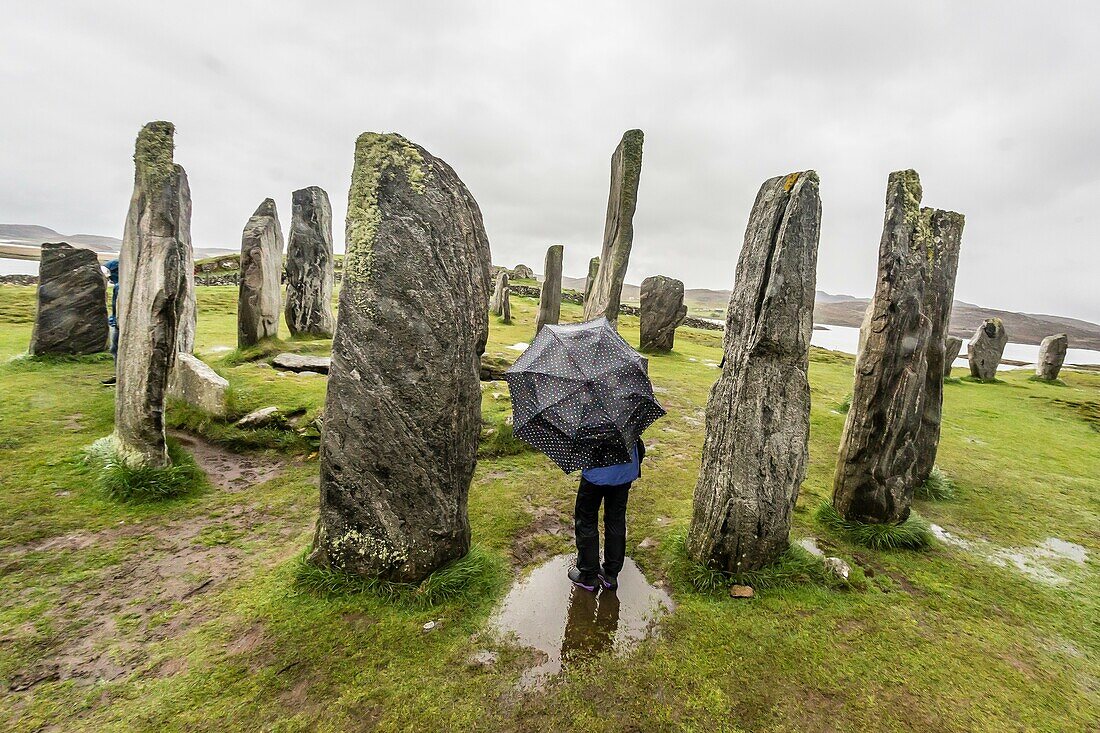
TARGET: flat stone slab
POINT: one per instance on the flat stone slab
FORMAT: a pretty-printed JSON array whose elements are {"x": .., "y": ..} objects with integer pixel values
[
  {"x": 302, "y": 363},
  {"x": 194, "y": 382}
]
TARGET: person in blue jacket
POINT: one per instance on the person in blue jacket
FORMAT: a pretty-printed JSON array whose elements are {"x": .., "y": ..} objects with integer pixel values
[
  {"x": 112, "y": 320},
  {"x": 611, "y": 486}
]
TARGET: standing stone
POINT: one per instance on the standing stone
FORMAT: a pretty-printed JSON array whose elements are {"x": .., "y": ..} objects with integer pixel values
[
  {"x": 1052, "y": 353},
  {"x": 875, "y": 468},
  {"x": 618, "y": 234},
  {"x": 662, "y": 312},
  {"x": 500, "y": 305},
  {"x": 185, "y": 341},
  {"x": 403, "y": 408},
  {"x": 550, "y": 293},
  {"x": 939, "y": 293},
  {"x": 309, "y": 265},
  {"x": 523, "y": 272},
  {"x": 72, "y": 313},
  {"x": 758, "y": 414},
  {"x": 985, "y": 349},
  {"x": 593, "y": 269},
  {"x": 952, "y": 345},
  {"x": 153, "y": 295},
  {"x": 259, "y": 301}
]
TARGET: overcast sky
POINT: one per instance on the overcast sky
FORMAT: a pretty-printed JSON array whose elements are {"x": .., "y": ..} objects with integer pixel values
[{"x": 996, "y": 105}]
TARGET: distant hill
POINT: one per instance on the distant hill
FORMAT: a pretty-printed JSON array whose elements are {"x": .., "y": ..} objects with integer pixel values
[
  {"x": 846, "y": 310},
  {"x": 33, "y": 235}
]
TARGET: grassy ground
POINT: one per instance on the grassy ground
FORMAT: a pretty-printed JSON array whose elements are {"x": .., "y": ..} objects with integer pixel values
[{"x": 184, "y": 615}]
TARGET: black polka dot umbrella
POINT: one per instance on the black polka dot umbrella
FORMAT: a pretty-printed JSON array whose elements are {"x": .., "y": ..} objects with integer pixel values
[{"x": 581, "y": 395}]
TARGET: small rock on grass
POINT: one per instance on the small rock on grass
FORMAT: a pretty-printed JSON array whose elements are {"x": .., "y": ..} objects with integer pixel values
[
  {"x": 741, "y": 591},
  {"x": 647, "y": 543},
  {"x": 259, "y": 418},
  {"x": 837, "y": 567}
]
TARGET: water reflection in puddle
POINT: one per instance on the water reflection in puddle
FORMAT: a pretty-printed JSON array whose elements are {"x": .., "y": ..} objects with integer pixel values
[
  {"x": 1035, "y": 562},
  {"x": 569, "y": 625}
]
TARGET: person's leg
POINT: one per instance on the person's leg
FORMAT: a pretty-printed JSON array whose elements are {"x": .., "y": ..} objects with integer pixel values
[
  {"x": 587, "y": 529},
  {"x": 614, "y": 528}
]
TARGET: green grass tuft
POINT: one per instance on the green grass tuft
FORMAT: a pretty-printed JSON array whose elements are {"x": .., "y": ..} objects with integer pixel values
[
  {"x": 937, "y": 487},
  {"x": 281, "y": 437},
  {"x": 500, "y": 442},
  {"x": 122, "y": 482},
  {"x": 912, "y": 534},
  {"x": 845, "y": 404},
  {"x": 476, "y": 575},
  {"x": 796, "y": 566}
]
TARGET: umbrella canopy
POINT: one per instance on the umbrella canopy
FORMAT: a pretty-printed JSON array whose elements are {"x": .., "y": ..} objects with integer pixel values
[{"x": 581, "y": 395}]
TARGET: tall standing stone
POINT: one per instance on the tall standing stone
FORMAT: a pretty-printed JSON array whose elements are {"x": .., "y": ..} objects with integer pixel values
[
  {"x": 260, "y": 299},
  {"x": 550, "y": 292},
  {"x": 874, "y": 479},
  {"x": 758, "y": 414},
  {"x": 153, "y": 295},
  {"x": 939, "y": 293},
  {"x": 185, "y": 340},
  {"x": 593, "y": 270},
  {"x": 1052, "y": 354},
  {"x": 985, "y": 349},
  {"x": 500, "y": 305},
  {"x": 662, "y": 311},
  {"x": 403, "y": 408},
  {"x": 71, "y": 317},
  {"x": 602, "y": 299},
  {"x": 309, "y": 265},
  {"x": 952, "y": 345}
]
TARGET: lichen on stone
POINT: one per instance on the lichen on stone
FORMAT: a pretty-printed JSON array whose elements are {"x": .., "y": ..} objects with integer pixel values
[
  {"x": 374, "y": 154},
  {"x": 790, "y": 180},
  {"x": 153, "y": 154}
]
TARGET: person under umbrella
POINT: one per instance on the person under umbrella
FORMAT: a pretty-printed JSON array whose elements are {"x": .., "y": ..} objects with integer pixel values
[{"x": 582, "y": 395}]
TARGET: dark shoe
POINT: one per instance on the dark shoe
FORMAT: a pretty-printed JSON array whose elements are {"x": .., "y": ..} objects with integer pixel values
[
  {"x": 607, "y": 580},
  {"x": 112, "y": 380},
  {"x": 583, "y": 580}
]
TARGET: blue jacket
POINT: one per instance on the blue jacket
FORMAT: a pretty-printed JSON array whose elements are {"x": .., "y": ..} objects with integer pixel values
[{"x": 623, "y": 473}]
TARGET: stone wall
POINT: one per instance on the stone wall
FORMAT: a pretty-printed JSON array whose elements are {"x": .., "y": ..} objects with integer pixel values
[{"x": 572, "y": 296}]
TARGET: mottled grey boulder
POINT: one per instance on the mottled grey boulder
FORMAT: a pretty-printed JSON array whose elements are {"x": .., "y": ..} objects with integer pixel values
[
  {"x": 593, "y": 270},
  {"x": 662, "y": 310},
  {"x": 309, "y": 265},
  {"x": 260, "y": 298},
  {"x": 403, "y": 408},
  {"x": 875, "y": 468},
  {"x": 939, "y": 292},
  {"x": 71, "y": 317},
  {"x": 985, "y": 349},
  {"x": 550, "y": 292},
  {"x": 154, "y": 267},
  {"x": 260, "y": 418},
  {"x": 618, "y": 234},
  {"x": 952, "y": 345},
  {"x": 1052, "y": 353},
  {"x": 501, "y": 305},
  {"x": 755, "y": 448},
  {"x": 522, "y": 272},
  {"x": 194, "y": 382},
  {"x": 302, "y": 363}
]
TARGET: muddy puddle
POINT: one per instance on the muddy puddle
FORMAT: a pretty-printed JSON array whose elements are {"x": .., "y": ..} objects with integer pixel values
[
  {"x": 1042, "y": 562},
  {"x": 568, "y": 625}
]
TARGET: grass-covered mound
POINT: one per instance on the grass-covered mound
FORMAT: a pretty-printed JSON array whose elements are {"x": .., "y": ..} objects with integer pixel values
[
  {"x": 912, "y": 534},
  {"x": 121, "y": 480}
]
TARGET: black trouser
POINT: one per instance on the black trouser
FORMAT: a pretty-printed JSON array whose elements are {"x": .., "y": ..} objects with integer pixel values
[{"x": 586, "y": 526}]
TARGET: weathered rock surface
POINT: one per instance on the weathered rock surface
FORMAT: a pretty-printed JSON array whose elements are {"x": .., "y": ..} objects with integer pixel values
[
  {"x": 939, "y": 291},
  {"x": 309, "y": 265},
  {"x": 302, "y": 363},
  {"x": 501, "y": 305},
  {"x": 875, "y": 468},
  {"x": 71, "y": 317},
  {"x": 952, "y": 345},
  {"x": 259, "y": 299},
  {"x": 593, "y": 270},
  {"x": 194, "y": 382},
  {"x": 662, "y": 311},
  {"x": 755, "y": 448},
  {"x": 618, "y": 233},
  {"x": 522, "y": 272},
  {"x": 154, "y": 265},
  {"x": 550, "y": 293},
  {"x": 1052, "y": 353},
  {"x": 985, "y": 349},
  {"x": 403, "y": 408},
  {"x": 260, "y": 418}
]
